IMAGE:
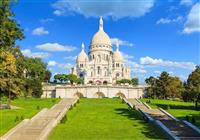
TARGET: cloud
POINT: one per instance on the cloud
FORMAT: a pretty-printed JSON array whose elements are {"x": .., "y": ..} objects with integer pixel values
[
  {"x": 117, "y": 9},
  {"x": 58, "y": 12},
  {"x": 45, "y": 20},
  {"x": 66, "y": 66},
  {"x": 148, "y": 61},
  {"x": 51, "y": 63},
  {"x": 168, "y": 21},
  {"x": 141, "y": 71},
  {"x": 40, "y": 31},
  {"x": 121, "y": 42},
  {"x": 186, "y": 2},
  {"x": 70, "y": 58},
  {"x": 52, "y": 47},
  {"x": 28, "y": 53},
  {"x": 193, "y": 20}
]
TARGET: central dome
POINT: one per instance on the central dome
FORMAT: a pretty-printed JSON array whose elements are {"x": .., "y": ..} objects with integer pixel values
[{"x": 100, "y": 38}]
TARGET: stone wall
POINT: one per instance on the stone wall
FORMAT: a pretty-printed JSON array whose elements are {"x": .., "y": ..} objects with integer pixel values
[{"x": 92, "y": 91}]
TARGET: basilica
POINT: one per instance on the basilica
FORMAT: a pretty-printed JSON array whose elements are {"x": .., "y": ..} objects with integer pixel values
[{"x": 101, "y": 65}]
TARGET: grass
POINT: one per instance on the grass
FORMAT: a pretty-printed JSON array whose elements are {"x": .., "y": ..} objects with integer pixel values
[
  {"x": 104, "y": 119},
  {"x": 178, "y": 109},
  {"x": 28, "y": 108}
]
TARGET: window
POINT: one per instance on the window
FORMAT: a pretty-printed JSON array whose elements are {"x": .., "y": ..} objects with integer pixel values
[
  {"x": 98, "y": 70},
  {"x": 117, "y": 64},
  {"x": 81, "y": 65}
]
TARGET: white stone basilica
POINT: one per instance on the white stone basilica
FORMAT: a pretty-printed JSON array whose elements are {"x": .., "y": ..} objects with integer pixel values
[{"x": 101, "y": 65}]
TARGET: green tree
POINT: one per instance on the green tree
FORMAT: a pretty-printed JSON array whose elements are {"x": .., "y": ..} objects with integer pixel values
[
  {"x": 165, "y": 86},
  {"x": 152, "y": 91},
  {"x": 8, "y": 73},
  {"x": 193, "y": 86},
  {"x": 10, "y": 31},
  {"x": 134, "y": 81},
  {"x": 73, "y": 78},
  {"x": 35, "y": 73}
]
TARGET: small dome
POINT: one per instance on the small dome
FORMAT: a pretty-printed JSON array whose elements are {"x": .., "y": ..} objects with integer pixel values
[
  {"x": 117, "y": 56},
  {"x": 82, "y": 56},
  {"x": 100, "y": 37}
]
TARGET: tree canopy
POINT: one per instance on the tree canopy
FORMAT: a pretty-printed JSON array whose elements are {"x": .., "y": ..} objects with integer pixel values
[{"x": 19, "y": 75}]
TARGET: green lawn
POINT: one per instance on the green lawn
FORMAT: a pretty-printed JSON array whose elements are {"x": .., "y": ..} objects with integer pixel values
[
  {"x": 104, "y": 119},
  {"x": 28, "y": 108},
  {"x": 178, "y": 109}
]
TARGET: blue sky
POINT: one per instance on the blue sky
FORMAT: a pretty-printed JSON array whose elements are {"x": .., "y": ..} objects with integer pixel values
[{"x": 154, "y": 35}]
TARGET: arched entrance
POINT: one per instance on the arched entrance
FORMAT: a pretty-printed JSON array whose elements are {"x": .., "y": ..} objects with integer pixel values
[
  {"x": 90, "y": 82},
  {"x": 99, "y": 95},
  {"x": 78, "y": 94},
  {"x": 121, "y": 95},
  {"x": 105, "y": 82}
]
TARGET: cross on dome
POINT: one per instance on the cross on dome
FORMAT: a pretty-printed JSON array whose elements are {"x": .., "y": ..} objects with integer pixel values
[
  {"x": 117, "y": 46},
  {"x": 82, "y": 46},
  {"x": 101, "y": 23}
]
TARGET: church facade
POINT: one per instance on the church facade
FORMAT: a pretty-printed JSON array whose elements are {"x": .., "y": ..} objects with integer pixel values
[{"x": 101, "y": 65}]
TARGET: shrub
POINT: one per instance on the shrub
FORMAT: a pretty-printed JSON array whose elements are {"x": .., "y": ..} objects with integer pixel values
[
  {"x": 53, "y": 101},
  {"x": 193, "y": 120},
  {"x": 22, "y": 118},
  {"x": 187, "y": 118},
  {"x": 64, "y": 119},
  {"x": 38, "y": 107},
  {"x": 16, "y": 118}
]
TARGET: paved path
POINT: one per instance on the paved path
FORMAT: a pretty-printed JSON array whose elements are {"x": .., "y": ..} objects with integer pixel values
[
  {"x": 178, "y": 128},
  {"x": 41, "y": 124}
]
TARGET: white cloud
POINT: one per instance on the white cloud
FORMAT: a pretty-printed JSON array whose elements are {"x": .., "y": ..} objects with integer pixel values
[
  {"x": 148, "y": 61},
  {"x": 186, "y": 2},
  {"x": 117, "y": 9},
  {"x": 168, "y": 21},
  {"x": 121, "y": 42},
  {"x": 70, "y": 58},
  {"x": 142, "y": 71},
  {"x": 193, "y": 20},
  {"x": 40, "y": 31},
  {"x": 51, "y": 63},
  {"x": 52, "y": 47},
  {"x": 66, "y": 66},
  {"x": 58, "y": 12},
  {"x": 45, "y": 20},
  {"x": 28, "y": 53}
]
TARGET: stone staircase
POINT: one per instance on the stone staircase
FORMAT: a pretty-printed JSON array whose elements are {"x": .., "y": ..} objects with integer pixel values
[
  {"x": 41, "y": 124},
  {"x": 176, "y": 127}
]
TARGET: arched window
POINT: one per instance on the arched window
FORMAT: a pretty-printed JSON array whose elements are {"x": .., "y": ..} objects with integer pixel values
[
  {"x": 98, "y": 70},
  {"x": 81, "y": 65}
]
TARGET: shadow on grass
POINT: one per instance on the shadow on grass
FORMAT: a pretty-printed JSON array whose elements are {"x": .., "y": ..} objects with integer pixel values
[
  {"x": 196, "y": 116},
  {"x": 148, "y": 130},
  {"x": 166, "y": 106}
]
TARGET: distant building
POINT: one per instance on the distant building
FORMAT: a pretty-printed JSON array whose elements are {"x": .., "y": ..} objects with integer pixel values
[{"x": 101, "y": 65}]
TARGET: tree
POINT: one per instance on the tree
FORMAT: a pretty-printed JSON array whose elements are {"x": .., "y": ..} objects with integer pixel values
[
  {"x": 165, "y": 86},
  {"x": 193, "y": 86},
  {"x": 9, "y": 29},
  {"x": 35, "y": 73},
  {"x": 8, "y": 73},
  {"x": 152, "y": 91},
  {"x": 73, "y": 78},
  {"x": 134, "y": 81},
  {"x": 47, "y": 76}
]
